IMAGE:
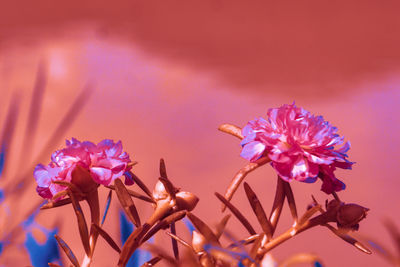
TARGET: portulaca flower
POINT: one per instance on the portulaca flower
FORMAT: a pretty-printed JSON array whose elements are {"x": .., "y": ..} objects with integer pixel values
[
  {"x": 301, "y": 146},
  {"x": 103, "y": 163}
]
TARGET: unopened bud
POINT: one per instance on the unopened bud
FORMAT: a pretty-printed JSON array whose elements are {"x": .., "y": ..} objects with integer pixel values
[
  {"x": 198, "y": 241},
  {"x": 186, "y": 200},
  {"x": 333, "y": 204},
  {"x": 159, "y": 192},
  {"x": 349, "y": 215}
]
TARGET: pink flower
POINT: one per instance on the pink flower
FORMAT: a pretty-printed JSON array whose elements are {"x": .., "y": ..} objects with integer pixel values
[
  {"x": 104, "y": 162},
  {"x": 301, "y": 146}
]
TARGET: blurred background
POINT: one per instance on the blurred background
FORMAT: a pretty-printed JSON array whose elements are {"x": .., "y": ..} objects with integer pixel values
[{"x": 165, "y": 74}]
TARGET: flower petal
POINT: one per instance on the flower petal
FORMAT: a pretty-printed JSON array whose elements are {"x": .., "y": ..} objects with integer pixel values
[
  {"x": 101, "y": 175},
  {"x": 252, "y": 151},
  {"x": 44, "y": 192},
  {"x": 42, "y": 175},
  {"x": 303, "y": 170}
]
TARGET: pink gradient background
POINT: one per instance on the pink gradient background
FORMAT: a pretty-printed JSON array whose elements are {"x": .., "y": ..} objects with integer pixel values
[{"x": 167, "y": 73}]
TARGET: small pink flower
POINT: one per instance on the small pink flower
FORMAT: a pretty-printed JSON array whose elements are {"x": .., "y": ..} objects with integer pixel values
[
  {"x": 301, "y": 146},
  {"x": 105, "y": 162}
]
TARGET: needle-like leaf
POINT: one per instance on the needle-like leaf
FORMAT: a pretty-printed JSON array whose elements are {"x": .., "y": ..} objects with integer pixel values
[
  {"x": 258, "y": 211},
  {"x": 134, "y": 194},
  {"x": 106, "y": 237},
  {"x": 164, "y": 223},
  {"x": 221, "y": 225},
  {"x": 71, "y": 256},
  {"x": 8, "y": 131},
  {"x": 108, "y": 202},
  {"x": 349, "y": 239},
  {"x": 141, "y": 184},
  {"x": 131, "y": 244},
  {"x": 394, "y": 234},
  {"x": 34, "y": 111},
  {"x": 68, "y": 119},
  {"x": 383, "y": 251},
  {"x": 59, "y": 203},
  {"x": 58, "y": 133},
  {"x": 163, "y": 169},
  {"x": 203, "y": 228},
  {"x": 127, "y": 202},
  {"x": 237, "y": 214},
  {"x": 290, "y": 199},
  {"x": 278, "y": 204},
  {"x": 174, "y": 242},
  {"x": 83, "y": 229}
]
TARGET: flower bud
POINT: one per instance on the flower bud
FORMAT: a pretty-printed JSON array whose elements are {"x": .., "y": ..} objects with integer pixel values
[
  {"x": 186, "y": 201},
  {"x": 333, "y": 204},
  {"x": 159, "y": 192},
  {"x": 198, "y": 241},
  {"x": 349, "y": 215}
]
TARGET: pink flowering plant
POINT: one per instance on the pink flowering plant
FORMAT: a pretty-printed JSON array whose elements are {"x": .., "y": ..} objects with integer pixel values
[
  {"x": 77, "y": 171},
  {"x": 101, "y": 164},
  {"x": 298, "y": 145}
]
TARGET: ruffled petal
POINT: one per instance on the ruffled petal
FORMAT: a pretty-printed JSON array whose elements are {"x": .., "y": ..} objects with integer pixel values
[
  {"x": 44, "y": 192},
  {"x": 302, "y": 170},
  {"x": 55, "y": 188},
  {"x": 343, "y": 164},
  {"x": 101, "y": 175},
  {"x": 330, "y": 185},
  {"x": 248, "y": 138},
  {"x": 42, "y": 176},
  {"x": 252, "y": 151},
  {"x": 344, "y": 148},
  {"x": 283, "y": 170},
  {"x": 119, "y": 168},
  {"x": 320, "y": 159}
]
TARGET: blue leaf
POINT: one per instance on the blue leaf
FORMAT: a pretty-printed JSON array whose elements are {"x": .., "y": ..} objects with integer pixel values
[
  {"x": 1, "y": 196},
  {"x": 317, "y": 264},
  {"x": 139, "y": 257},
  {"x": 30, "y": 221},
  {"x": 189, "y": 225},
  {"x": 125, "y": 226},
  {"x": 107, "y": 207},
  {"x": 41, "y": 254},
  {"x": 2, "y": 159}
]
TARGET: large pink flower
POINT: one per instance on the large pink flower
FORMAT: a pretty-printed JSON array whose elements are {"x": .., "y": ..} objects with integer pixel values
[
  {"x": 301, "y": 146},
  {"x": 104, "y": 162}
]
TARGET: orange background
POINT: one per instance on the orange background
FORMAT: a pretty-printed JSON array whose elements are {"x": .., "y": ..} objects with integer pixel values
[{"x": 166, "y": 74}]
